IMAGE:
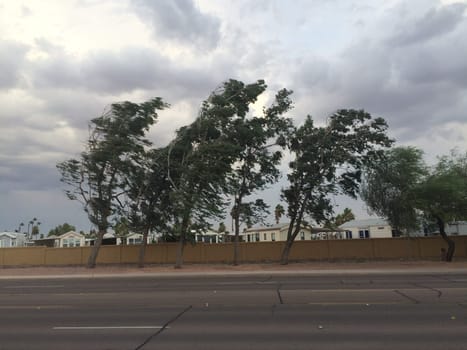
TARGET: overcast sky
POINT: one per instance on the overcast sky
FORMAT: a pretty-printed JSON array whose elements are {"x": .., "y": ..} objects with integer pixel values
[{"x": 63, "y": 61}]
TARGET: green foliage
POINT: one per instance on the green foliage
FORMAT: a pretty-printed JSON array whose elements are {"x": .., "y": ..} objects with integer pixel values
[
  {"x": 222, "y": 228},
  {"x": 121, "y": 227},
  {"x": 278, "y": 212},
  {"x": 340, "y": 219},
  {"x": 401, "y": 188},
  {"x": 61, "y": 229},
  {"x": 388, "y": 189},
  {"x": 258, "y": 139},
  {"x": 116, "y": 141},
  {"x": 443, "y": 193},
  {"x": 329, "y": 160}
]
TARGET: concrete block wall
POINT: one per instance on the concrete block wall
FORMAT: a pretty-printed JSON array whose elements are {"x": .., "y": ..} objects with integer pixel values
[{"x": 320, "y": 250}]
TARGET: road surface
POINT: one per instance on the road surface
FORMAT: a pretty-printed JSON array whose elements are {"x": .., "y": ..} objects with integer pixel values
[{"x": 270, "y": 311}]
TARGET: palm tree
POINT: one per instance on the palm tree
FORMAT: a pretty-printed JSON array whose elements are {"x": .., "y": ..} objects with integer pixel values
[
  {"x": 31, "y": 224},
  {"x": 278, "y": 212}
]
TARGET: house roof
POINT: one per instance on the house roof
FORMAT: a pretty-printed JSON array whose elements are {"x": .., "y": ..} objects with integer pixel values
[
  {"x": 364, "y": 223},
  {"x": 70, "y": 233},
  {"x": 285, "y": 226},
  {"x": 11, "y": 234},
  {"x": 267, "y": 228}
]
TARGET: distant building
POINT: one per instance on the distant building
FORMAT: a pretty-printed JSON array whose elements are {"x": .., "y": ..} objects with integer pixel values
[
  {"x": 67, "y": 240},
  {"x": 12, "y": 239},
  {"x": 279, "y": 233},
  {"x": 457, "y": 228},
  {"x": 210, "y": 237},
  {"x": 369, "y": 228}
]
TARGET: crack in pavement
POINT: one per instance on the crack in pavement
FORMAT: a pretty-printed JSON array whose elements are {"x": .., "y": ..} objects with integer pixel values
[
  {"x": 415, "y": 301},
  {"x": 440, "y": 293},
  {"x": 163, "y": 328},
  {"x": 279, "y": 294}
]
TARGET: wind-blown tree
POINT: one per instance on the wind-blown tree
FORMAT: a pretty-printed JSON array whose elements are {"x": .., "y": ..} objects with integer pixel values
[
  {"x": 258, "y": 139},
  {"x": 388, "y": 187},
  {"x": 147, "y": 197},
  {"x": 328, "y": 160},
  {"x": 442, "y": 196},
  {"x": 199, "y": 159},
  {"x": 95, "y": 178}
]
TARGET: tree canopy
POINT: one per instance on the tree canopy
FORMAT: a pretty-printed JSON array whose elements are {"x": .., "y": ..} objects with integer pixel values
[
  {"x": 401, "y": 188},
  {"x": 61, "y": 229},
  {"x": 329, "y": 160},
  {"x": 115, "y": 141},
  {"x": 389, "y": 183}
]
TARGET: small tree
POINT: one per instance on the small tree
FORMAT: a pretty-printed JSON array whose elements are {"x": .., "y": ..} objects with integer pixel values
[
  {"x": 221, "y": 228},
  {"x": 279, "y": 211},
  {"x": 340, "y": 219},
  {"x": 442, "y": 196}
]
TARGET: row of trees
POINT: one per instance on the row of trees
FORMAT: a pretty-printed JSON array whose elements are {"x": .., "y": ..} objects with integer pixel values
[{"x": 224, "y": 158}]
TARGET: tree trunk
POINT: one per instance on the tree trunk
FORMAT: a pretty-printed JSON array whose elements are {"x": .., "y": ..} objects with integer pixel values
[
  {"x": 451, "y": 244},
  {"x": 294, "y": 229},
  {"x": 181, "y": 248},
  {"x": 142, "y": 248},
  {"x": 286, "y": 252},
  {"x": 95, "y": 250},
  {"x": 236, "y": 240}
]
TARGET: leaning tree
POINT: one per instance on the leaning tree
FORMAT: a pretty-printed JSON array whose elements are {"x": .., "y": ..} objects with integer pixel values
[
  {"x": 95, "y": 179},
  {"x": 328, "y": 160}
]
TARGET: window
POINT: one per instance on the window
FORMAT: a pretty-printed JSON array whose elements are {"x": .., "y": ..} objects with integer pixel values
[
  {"x": 395, "y": 233},
  {"x": 348, "y": 234},
  {"x": 71, "y": 242},
  {"x": 364, "y": 234},
  {"x": 136, "y": 240},
  {"x": 273, "y": 236},
  {"x": 248, "y": 238},
  {"x": 265, "y": 236},
  {"x": 257, "y": 237},
  {"x": 302, "y": 236}
]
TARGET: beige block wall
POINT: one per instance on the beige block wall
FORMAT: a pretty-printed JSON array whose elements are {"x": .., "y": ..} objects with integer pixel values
[
  {"x": 387, "y": 248},
  {"x": 64, "y": 256}
]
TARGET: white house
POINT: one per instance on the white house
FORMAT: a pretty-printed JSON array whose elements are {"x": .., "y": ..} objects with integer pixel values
[
  {"x": 457, "y": 228},
  {"x": 209, "y": 237},
  {"x": 369, "y": 228},
  {"x": 12, "y": 239},
  {"x": 136, "y": 238},
  {"x": 69, "y": 240},
  {"x": 279, "y": 233}
]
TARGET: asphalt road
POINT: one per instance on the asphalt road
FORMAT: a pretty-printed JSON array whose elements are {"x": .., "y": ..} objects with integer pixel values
[{"x": 377, "y": 311}]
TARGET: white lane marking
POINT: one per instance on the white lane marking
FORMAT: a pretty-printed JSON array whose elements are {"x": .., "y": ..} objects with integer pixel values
[
  {"x": 35, "y": 287},
  {"x": 107, "y": 327}
]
